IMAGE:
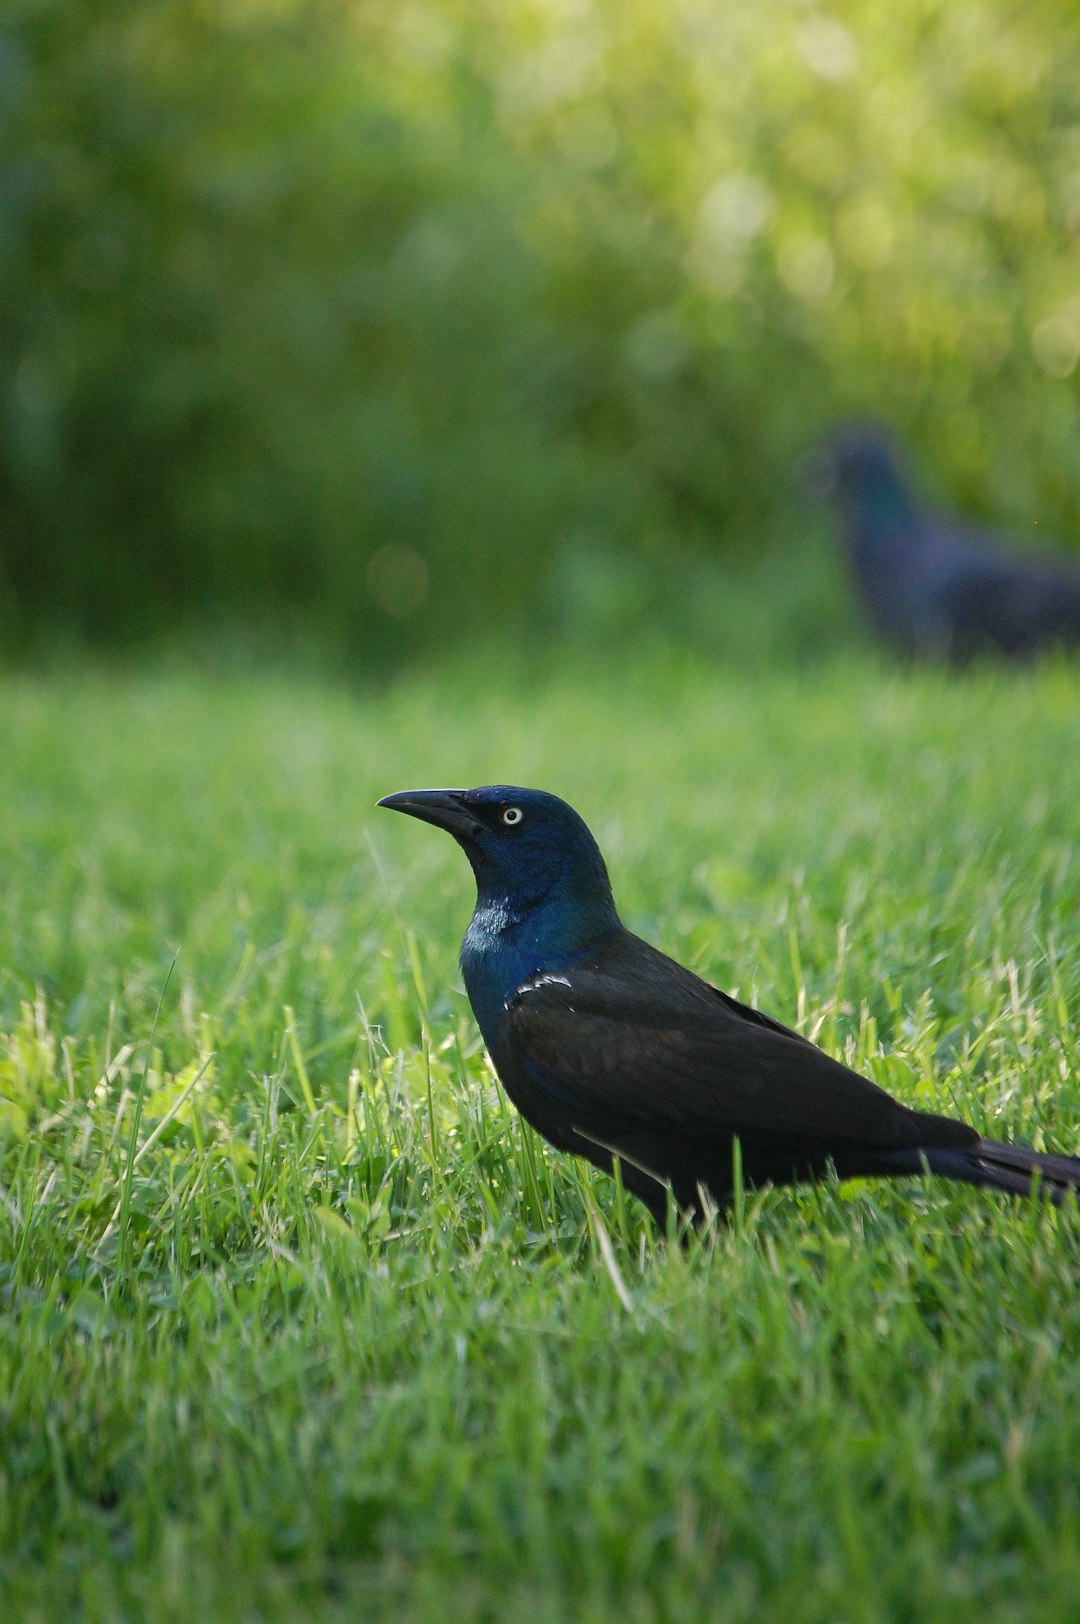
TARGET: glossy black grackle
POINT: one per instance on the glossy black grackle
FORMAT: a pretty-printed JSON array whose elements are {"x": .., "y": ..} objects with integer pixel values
[
  {"x": 929, "y": 584},
  {"x": 612, "y": 1050}
]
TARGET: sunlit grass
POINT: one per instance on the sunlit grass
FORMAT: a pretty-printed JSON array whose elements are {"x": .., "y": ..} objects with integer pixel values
[{"x": 298, "y": 1321}]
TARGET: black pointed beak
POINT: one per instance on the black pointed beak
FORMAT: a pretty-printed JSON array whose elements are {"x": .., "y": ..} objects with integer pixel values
[{"x": 442, "y": 807}]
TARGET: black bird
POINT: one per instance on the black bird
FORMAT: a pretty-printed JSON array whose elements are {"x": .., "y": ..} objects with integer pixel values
[
  {"x": 931, "y": 585},
  {"x": 617, "y": 1053}
]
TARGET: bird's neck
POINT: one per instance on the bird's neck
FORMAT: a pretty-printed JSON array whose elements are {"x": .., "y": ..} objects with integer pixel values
[
  {"x": 881, "y": 508},
  {"x": 508, "y": 941},
  {"x": 884, "y": 536}
]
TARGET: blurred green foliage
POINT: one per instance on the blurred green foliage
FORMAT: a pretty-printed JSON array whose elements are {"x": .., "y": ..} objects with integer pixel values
[{"x": 370, "y": 320}]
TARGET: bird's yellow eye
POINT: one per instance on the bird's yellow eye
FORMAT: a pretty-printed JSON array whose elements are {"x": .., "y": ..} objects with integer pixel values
[{"x": 512, "y": 815}]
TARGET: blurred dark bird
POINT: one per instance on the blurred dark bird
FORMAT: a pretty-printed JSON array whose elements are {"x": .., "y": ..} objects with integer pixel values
[
  {"x": 617, "y": 1053},
  {"x": 929, "y": 584}
]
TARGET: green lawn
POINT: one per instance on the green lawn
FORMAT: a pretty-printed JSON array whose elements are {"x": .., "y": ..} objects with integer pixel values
[{"x": 296, "y": 1322}]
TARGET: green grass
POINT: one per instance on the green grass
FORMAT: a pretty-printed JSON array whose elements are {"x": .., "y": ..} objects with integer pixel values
[{"x": 297, "y": 1322}]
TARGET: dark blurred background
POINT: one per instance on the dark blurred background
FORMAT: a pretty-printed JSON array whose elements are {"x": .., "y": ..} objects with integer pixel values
[{"x": 363, "y": 326}]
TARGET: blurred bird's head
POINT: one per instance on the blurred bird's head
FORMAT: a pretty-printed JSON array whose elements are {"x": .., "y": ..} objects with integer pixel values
[
  {"x": 856, "y": 464},
  {"x": 524, "y": 845}
]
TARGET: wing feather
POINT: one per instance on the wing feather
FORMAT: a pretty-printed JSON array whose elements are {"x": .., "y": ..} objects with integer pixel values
[{"x": 633, "y": 1045}]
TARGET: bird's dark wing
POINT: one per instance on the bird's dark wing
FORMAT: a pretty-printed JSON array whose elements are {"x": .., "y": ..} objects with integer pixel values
[
  {"x": 633, "y": 1045},
  {"x": 1015, "y": 605}
]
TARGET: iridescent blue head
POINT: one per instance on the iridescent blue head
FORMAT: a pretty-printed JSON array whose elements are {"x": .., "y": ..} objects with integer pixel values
[
  {"x": 543, "y": 897},
  {"x": 526, "y": 847}
]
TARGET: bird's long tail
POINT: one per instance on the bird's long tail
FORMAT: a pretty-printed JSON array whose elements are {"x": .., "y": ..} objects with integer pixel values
[{"x": 1009, "y": 1167}]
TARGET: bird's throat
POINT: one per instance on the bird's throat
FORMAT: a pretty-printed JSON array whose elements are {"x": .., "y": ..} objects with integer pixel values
[{"x": 505, "y": 945}]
